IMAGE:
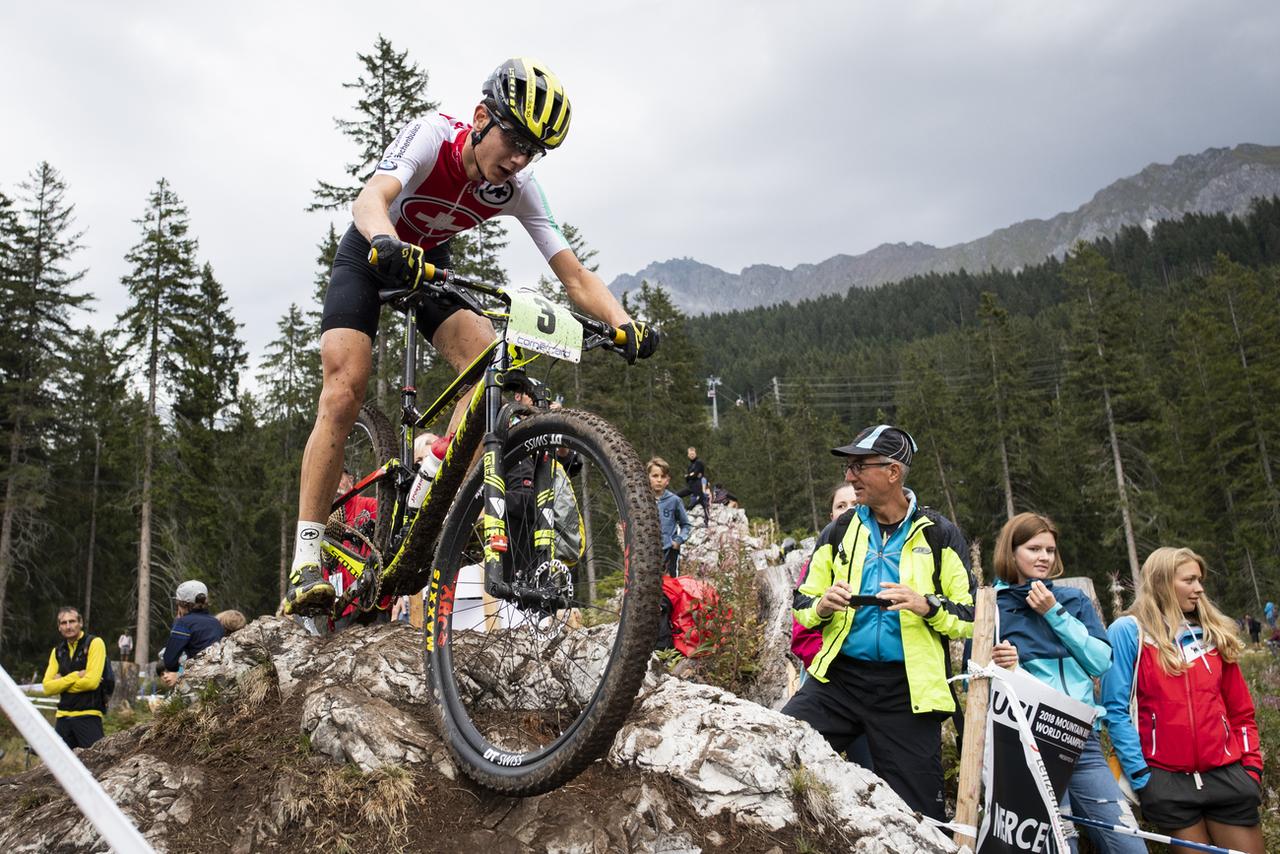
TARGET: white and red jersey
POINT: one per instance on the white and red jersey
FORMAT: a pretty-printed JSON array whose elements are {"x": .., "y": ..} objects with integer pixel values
[{"x": 437, "y": 200}]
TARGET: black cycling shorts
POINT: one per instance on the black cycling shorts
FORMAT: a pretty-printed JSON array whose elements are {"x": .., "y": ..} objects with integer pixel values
[{"x": 352, "y": 299}]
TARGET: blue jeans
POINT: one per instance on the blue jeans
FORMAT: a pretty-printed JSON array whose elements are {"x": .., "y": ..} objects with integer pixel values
[{"x": 1093, "y": 793}]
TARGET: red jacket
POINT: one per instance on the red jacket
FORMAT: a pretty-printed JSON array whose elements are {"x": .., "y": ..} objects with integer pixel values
[{"x": 1198, "y": 720}]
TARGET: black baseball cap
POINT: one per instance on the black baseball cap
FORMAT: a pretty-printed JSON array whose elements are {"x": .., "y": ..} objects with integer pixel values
[{"x": 882, "y": 440}]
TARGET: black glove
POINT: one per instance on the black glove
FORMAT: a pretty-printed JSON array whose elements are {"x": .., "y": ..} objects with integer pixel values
[
  {"x": 642, "y": 340},
  {"x": 399, "y": 261}
]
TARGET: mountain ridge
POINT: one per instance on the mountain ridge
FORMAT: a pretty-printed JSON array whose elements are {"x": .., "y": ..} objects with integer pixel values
[{"x": 1217, "y": 180}]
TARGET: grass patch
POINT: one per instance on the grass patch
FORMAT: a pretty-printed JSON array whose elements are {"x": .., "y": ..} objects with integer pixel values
[{"x": 333, "y": 806}]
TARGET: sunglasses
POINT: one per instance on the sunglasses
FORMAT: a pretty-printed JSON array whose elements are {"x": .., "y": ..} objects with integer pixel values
[
  {"x": 516, "y": 142},
  {"x": 859, "y": 466}
]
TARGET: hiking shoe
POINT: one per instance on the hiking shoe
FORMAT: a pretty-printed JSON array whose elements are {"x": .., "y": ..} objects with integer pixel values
[{"x": 309, "y": 591}]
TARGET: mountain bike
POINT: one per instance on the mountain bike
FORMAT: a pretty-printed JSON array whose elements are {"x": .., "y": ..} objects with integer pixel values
[{"x": 540, "y": 554}]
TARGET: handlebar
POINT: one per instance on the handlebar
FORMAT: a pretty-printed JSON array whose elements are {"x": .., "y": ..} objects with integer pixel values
[{"x": 613, "y": 337}]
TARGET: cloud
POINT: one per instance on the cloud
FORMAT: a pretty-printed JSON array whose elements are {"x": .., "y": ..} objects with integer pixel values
[{"x": 735, "y": 133}]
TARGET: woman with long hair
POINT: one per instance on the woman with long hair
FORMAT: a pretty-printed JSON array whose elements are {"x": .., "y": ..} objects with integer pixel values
[
  {"x": 1056, "y": 635},
  {"x": 1179, "y": 711}
]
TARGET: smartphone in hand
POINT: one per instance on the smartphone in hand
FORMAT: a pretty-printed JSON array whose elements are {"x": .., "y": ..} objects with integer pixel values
[{"x": 868, "y": 601}]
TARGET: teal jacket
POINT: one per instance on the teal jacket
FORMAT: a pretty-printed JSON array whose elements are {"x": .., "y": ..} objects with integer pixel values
[{"x": 1065, "y": 648}]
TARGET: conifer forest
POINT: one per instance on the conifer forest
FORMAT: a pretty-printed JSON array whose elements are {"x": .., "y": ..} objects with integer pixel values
[{"x": 1130, "y": 390}]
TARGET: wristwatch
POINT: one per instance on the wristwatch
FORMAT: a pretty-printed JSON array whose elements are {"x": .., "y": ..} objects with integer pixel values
[{"x": 934, "y": 603}]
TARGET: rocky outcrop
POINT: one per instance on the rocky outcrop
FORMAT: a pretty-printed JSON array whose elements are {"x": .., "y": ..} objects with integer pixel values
[
  {"x": 1219, "y": 180},
  {"x": 694, "y": 767}
]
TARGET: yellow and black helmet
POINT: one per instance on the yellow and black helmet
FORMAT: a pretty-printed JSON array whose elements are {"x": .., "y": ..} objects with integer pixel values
[{"x": 531, "y": 98}]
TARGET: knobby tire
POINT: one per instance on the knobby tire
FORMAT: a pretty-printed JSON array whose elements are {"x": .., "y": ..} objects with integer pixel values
[{"x": 623, "y": 536}]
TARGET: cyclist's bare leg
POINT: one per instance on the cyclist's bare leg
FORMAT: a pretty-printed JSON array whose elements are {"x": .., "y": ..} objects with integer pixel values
[
  {"x": 347, "y": 358},
  {"x": 460, "y": 339}
]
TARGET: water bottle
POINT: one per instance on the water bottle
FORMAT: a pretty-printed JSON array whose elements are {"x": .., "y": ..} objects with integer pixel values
[{"x": 427, "y": 471}]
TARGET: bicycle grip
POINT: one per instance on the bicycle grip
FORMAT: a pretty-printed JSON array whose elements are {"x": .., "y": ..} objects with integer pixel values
[
  {"x": 428, "y": 269},
  {"x": 619, "y": 336}
]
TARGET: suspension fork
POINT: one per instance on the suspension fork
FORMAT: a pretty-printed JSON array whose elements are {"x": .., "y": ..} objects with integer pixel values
[{"x": 497, "y": 543}]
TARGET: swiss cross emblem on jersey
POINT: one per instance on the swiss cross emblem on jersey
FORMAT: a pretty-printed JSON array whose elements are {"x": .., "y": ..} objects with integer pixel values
[
  {"x": 495, "y": 196},
  {"x": 433, "y": 220}
]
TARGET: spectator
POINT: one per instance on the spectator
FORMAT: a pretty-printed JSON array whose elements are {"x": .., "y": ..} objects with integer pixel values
[
  {"x": 360, "y": 512},
  {"x": 1056, "y": 636},
  {"x": 1194, "y": 763},
  {"x": 883, "y": 670},
  {"x": 1254, "y": 628},
  {"x": 75, "y": 675},
  {"x": 231, "y": 621},
  {"x": 671, "y": 516},
  {"x": 400, "y": 610},
  {"x": 193, "y": 632},
  {"x": 806, "y": 642},
  {"x": 696, "y": 487},
  {"x": 1269, "y": 611}
]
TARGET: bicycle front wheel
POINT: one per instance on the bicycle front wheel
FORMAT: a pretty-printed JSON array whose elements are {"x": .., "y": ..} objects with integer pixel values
[{"x": 532, "y": 686}]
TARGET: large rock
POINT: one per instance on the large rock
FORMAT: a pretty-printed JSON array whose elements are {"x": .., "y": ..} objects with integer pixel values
[{"x": 764, "y": 767}]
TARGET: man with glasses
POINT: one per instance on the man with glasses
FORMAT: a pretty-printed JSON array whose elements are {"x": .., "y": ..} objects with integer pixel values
[
  {"x": 75, "y": 674},
  {"x": 439, "y": 177},
  {"x": 883, "y": 664}
]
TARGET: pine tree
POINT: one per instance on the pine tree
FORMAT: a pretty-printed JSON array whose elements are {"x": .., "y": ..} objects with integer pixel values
[
  {"x": 1114, "y": 397},
  {"x": 288, "y": 398},
  {"x": 212, "y": 356},
  {"x": 96, "y": 421},
  {"x": 204, "y": 476},
  {"x": 36, "y": 247},
  {"x": 162, "y": 286},
  {"x": 391, "y": 92}
]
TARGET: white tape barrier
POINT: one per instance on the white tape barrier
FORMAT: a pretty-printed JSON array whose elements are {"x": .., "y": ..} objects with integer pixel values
[{"x": 96, "y": 804}]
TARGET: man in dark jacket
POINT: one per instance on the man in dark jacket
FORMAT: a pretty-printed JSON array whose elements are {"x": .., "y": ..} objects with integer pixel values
[
  {"x": 193, "y": 631},
  {"x": 75, "y": 674}
]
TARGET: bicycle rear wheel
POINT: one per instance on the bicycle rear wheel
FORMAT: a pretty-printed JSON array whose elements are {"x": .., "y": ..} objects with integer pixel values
[
  {"x": 530, "y": 691},
  {"x": 371, "y": 442}
]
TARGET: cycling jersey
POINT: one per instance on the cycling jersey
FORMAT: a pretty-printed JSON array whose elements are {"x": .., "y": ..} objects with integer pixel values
[{"x": 437, "y": 200}]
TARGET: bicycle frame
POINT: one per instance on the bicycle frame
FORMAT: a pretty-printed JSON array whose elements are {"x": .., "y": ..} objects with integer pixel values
[{"x": 413, "y": 533}]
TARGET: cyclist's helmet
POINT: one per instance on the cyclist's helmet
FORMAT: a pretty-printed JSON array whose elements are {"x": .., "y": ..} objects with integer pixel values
[{"x": 530, "y": 98}]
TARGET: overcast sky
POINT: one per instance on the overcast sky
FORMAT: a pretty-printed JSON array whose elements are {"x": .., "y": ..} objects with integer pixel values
[{"x": 735, "y": 133}]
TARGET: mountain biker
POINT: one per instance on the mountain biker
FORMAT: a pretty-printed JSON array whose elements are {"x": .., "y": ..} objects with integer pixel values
[{"x": 439, "y": 177}]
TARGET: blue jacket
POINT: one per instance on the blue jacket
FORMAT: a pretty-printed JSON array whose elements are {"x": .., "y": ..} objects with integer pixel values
[
  {"x": 673, "y": 519},
  {"x": 877, "y": 632},
  {"x": 1065, "y": 648},
  {"x": 191, "y": 634}
]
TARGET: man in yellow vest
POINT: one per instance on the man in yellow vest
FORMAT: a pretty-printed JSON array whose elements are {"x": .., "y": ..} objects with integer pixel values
[
  {"x": 888, "y": 584},
  {"x": 75, "y": 674}
]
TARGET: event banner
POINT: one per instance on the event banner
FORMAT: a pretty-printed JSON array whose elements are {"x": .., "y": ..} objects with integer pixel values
[{"x": 1021, "y": 782}]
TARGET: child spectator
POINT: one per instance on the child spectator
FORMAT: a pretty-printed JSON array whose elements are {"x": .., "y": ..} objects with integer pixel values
[
  {"x": 1179, "y": 711},
  {"x": 671, "y": 515},
  {"x": 1056, "y": 636},
  {"x": 231, "y": 621}
]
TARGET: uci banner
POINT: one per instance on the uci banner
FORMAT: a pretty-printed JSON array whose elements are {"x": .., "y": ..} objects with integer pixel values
[{"x": 1034, "y": 736}]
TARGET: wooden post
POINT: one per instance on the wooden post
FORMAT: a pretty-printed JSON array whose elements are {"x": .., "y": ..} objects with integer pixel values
[
  {"x": 975, "y": 716},
  {"x": 416, "y": 615}
]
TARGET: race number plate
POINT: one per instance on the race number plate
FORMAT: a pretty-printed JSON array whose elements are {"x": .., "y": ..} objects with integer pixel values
[{"x": 538, "y": 324}]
